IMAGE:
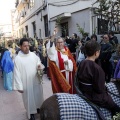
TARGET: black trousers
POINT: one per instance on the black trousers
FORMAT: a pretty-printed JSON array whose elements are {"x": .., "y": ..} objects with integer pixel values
[{"x": 106, "y": 66}]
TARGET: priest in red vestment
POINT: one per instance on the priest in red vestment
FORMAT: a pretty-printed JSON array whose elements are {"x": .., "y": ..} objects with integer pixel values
[{"x": 62, "y": 67}]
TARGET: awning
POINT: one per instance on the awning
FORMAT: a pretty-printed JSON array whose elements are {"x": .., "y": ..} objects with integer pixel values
[{"x": 63, "y": 15}]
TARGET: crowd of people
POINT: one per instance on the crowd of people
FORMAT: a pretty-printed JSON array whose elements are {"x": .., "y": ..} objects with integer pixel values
[
  {"x": 96, "y": 62},
  {"x": 109, "y": 52}
]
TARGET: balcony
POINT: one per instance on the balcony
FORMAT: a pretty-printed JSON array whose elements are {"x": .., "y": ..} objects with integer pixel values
[
  {"x": 16, "y": 3},
  {"x": 19, "y": 3}
]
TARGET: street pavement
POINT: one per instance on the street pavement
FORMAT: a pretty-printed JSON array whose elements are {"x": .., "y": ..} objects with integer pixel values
[{"x": 11, "y": 104}]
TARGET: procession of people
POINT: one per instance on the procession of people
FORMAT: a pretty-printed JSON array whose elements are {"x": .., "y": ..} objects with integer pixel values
[{"x": 97, "y": 63}]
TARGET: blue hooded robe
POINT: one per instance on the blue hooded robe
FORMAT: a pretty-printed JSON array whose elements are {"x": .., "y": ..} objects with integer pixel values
[{"x": 7, "y": 67}]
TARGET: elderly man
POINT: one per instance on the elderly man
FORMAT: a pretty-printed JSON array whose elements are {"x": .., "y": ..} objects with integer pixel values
[{"x": 62, "y": 66}]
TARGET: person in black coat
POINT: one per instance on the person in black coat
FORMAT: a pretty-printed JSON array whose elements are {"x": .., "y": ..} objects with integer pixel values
[
  {"x": 113, "y": 39},
  {"x": 105, "y": 55},
  {"x": 86, "y": 38},
  {"x": 72, "y": 43}
]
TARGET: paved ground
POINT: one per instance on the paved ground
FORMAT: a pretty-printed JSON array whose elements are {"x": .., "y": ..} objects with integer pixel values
[{"x": 11, "y": 104}]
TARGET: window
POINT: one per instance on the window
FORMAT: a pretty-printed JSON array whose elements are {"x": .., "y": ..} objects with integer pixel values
[
  {"x": 40, "y": 33},
  {"x": 34, "y": 29},
  {"x": 24, "y": 11},
  {"x": 28, "y": 5},
  {"x": 22, "y": 32},
  {"x": 102, "y": 26},
  {"x": 64, "y": 29},
  {"x": 46, "y": 26},
  {"x": 31, "y": 5},
  {"x": 26, "y": 29}
]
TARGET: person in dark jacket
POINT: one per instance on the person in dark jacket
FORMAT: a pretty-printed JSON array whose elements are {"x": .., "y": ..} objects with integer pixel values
[
  {"x": 113, "y": 39},
  {"x": 73, "y": 42},
  {"x": 86, "y": 38},
  {"x": 105, "y": 55},
  {"x": 114, "y": 59},
  {"x": 91, "y": 79},
  {"x": 94, "y": 37}
]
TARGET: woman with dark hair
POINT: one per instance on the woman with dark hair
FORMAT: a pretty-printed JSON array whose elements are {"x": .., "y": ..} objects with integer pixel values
[
  {"x": 78, "y": 48},
  {"x": 91, "y": 79},
  {"x": 79, "y": 52},
  {"x": 94, "y": 37}
]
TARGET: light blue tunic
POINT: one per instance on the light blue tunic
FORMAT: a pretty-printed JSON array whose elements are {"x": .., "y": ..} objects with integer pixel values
[{"x": 7, "y": 77}]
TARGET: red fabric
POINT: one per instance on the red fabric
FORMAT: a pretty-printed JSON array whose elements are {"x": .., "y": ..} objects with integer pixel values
[
  {"x": 59, "y": 83},
  {"x": 61, "y": 64},
  {"x": 71, "y": 74},
  {"x": 48, "y": 74},
  {"x": 71, "y": 83}
]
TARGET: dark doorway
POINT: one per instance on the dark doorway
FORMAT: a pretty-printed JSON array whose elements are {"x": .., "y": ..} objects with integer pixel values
[
  {"x": 102, "y": 26},
  {"x": 64, "y": 29},
  {"x": 46, "y": 26},
  {"x": 26, "y": 28},
  {"x": 34, "y": 29}
]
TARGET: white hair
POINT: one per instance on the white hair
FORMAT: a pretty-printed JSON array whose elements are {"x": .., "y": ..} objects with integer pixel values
[{"x": 57, "y": 38}]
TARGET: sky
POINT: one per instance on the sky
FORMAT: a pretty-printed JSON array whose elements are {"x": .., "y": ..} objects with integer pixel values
[{"x": 5, "y": 14}]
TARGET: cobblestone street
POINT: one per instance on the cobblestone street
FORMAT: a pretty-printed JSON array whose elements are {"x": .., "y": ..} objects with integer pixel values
[{"x": 11, "y": 104}]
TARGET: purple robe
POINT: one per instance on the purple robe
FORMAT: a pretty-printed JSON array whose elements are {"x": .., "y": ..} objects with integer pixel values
[{"x": 117, "y": 71}]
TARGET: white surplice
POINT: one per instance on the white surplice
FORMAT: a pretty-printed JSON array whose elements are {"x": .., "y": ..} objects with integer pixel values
[
  {"x": 53, "y": 56},
  {"x": 25, "y": 78}
]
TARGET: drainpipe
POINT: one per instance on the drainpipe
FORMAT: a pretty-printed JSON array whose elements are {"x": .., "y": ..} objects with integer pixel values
[
  {"x": 48, "y": 18},
  {"x": 91, "y": 21}
]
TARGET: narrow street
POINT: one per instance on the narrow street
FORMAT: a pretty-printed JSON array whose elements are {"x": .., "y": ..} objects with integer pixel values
[{"x": 11, "y": 104}]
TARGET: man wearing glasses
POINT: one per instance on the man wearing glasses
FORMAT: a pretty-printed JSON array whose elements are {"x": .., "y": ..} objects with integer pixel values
[
  {"x": 62, "y": 66},
  {"x": 105, "y": 55}
]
